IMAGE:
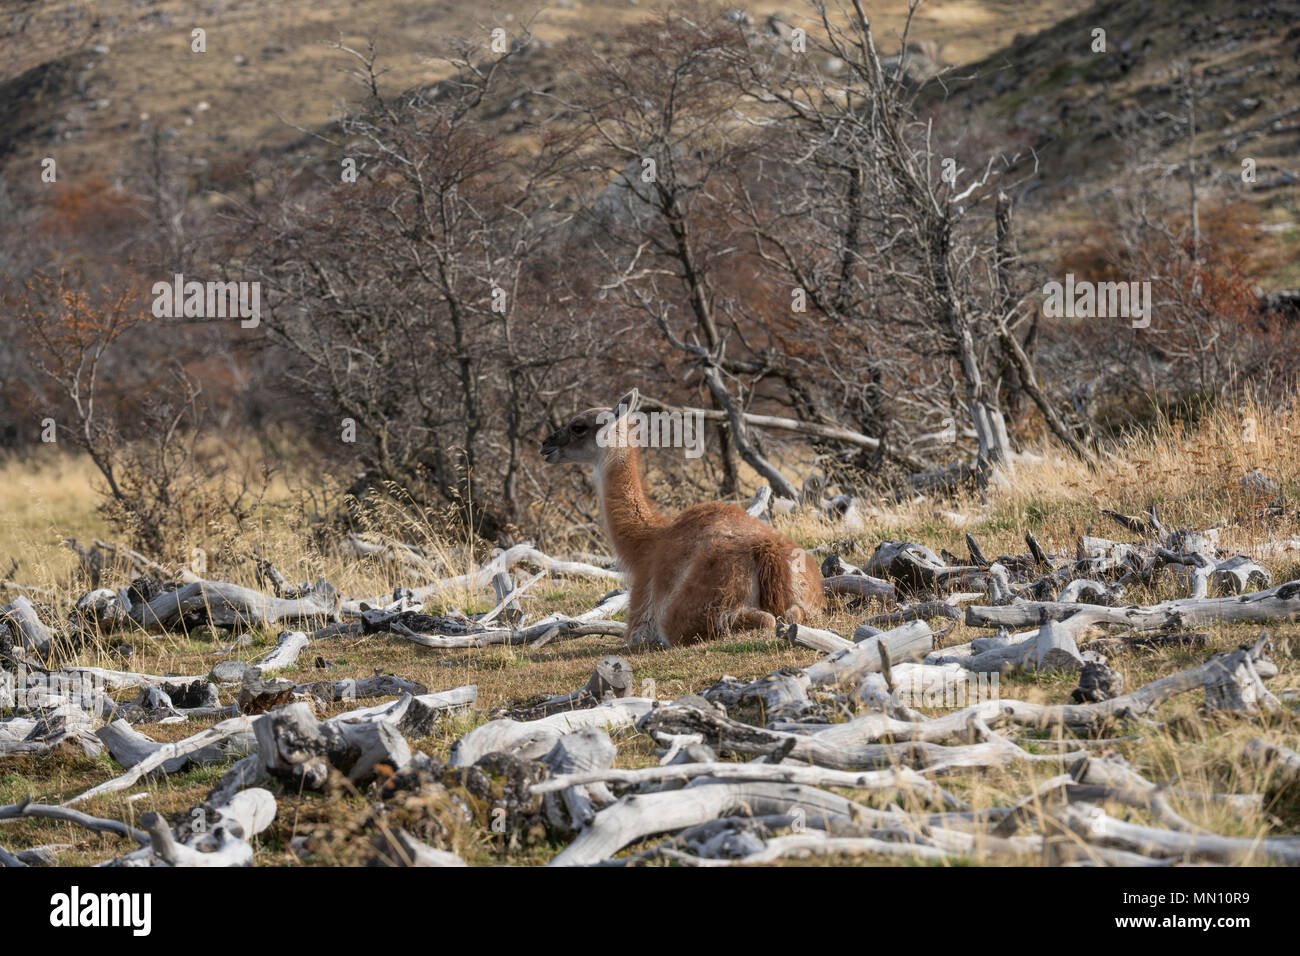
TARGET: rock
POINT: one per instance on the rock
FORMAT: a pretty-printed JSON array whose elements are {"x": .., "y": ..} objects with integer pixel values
[
  {"x": 1097, "y": 682},
  {"x": 1258, "y": 483}
]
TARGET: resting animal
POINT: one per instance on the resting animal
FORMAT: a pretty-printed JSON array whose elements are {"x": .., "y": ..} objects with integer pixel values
[{"x": 693, "y": 577}]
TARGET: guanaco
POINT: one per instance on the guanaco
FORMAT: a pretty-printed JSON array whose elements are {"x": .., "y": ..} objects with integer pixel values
[{"x": 697, "y": 576}]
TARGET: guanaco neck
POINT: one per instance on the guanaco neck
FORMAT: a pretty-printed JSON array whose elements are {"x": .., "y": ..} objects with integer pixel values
[{"x": 628, "y": 513}]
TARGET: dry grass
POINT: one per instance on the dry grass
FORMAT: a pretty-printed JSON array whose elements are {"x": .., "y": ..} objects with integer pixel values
[{"x": 1190, "y": 472}]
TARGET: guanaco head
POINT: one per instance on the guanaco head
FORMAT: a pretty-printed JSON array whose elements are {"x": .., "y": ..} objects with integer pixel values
[{"x": 587, "y": 438}]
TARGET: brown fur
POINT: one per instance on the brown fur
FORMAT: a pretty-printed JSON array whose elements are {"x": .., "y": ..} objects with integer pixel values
[{"x": 709, "y": 570}]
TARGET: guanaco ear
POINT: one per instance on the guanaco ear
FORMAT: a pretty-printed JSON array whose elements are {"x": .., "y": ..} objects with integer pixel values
[{"x": 627, "y": 404}]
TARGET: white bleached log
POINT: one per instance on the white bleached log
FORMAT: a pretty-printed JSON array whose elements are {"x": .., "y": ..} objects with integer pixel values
[
  {"x": 228, "y": 605},
  {"x": 1279, "y": 603},
  {"x": 1095, "y": 826},
  {"x": 215, "y": 734},
  {"x": 288, "y": 646},
  {"x": 1055, "y": 650},
  {"x": 818, "y": 843},
  {"x": 381, "y": 685},
  {"x": 129, "y": 747},
  {"x": 297, "y": 748},
  {"x": 442, "y": 700},
  {"x": 612, "y": 603},
  {"x": 535, "y": 737},
  {"x": 815, "y": 638},
  {"x": 914, "y": 639},
  {"x": 862, "y": 585},
  {"x": 583, "y": 752},
  {"x": 56, "y": 722},
  {"x": 1282, "y": 761},
  {"x": 507, "y": 592},
  {"x": 928, "y": 685},
  {"x": 1239, "y": 574},
  {"x": 124, "y": 679},
  {"x": 542, "y": 633},
  {"x": 416, "y": 716},
  {"x": 640, "y": 815},
  {"x": 210, "y": 836},
  {"x": 1233, "y": 683},
  {"x": 999, "y": 584},
  {"x": 851, "y": 745},
  {"x": 1093, "y": 592},
  {"x": 481, "y": 579},
  {"x": 900, "y": 779},
  {"x": 27, "y": 627},
  {"x": 611, "y": 677},
  {"x": 406, "y": 850}
]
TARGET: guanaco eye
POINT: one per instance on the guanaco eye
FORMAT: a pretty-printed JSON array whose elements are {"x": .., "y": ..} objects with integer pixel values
[{"x": 579, "y": 429}]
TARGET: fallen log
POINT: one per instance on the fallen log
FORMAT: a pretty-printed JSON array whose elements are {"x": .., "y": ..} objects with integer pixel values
[
  {"x": 610, "y": 678},
  {"x": 916, "y": 568},
  {"x": 381, "y": 685},
  {"x": 815, "y": 638},
  {"x": 541, "y": 633},
  {"x": 209, "y": 836},
  {"x": 861, "y": 585},
  {"x": 482, "y": 578},
  {"x": 915, "y": 612},
  {"x": 507, "y": 592},
  {"x": 1279, "y": 603},
  {"x": 914, "y": 639},
  {"x": 783, "y": 694},
  {"x": 895, "y": 779},
  {"x": 408, "y": 851},
  {"x": 229, "y": 606},
  {"x": 583, "y": 752},
  {"x": 640, "y": 815},
  {"x": 129, "y": 747},
  {"x": 416, "y": 716},
  {"x": 165, "y": 752},
  {"x": 125, "y": 679},
  {"x": 288, "y": 646},
  {"x": 1093, "y": 825},
  {"x": 1276, "y": 759},
  {"x": 298, "y": 749},
  {"x": 851, "y": 746},
  {"x": 26, "y": 808},
  {"x": 535, "y": 737},
  {"x": 257, "y": 695},
  {"x": 1233, "y": 683},
  {"x": 21, "y": 617}
]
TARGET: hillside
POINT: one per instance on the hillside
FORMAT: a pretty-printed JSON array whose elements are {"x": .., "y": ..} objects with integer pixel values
[
  {"x": 86, "y": 78},
  {"x": 1091, "y": 119}
]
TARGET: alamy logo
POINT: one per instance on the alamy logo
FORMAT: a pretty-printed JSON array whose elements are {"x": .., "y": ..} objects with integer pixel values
[
  {"x": 664, "y": 429},
  {"x": 179, "y": 299},
  {"x": 918, "y": 689},
  {"x": 40, "y": 689},
  {"x": 1098, "y": 300},
  {"x": 74, "y": 909}
]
